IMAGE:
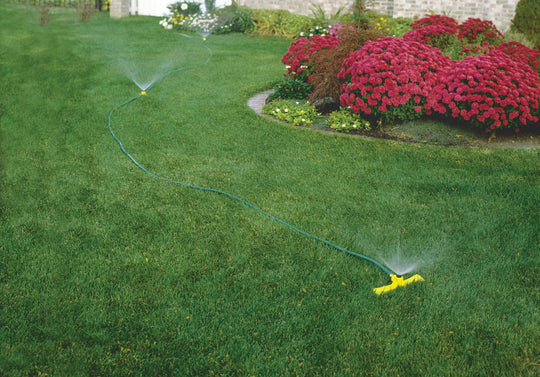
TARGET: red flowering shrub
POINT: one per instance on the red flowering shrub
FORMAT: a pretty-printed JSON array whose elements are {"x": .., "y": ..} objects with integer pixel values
[
  {"x": 522, "y": 53},
  {"x": 439, "y": 36},
  {"x": 474, "y": 30},
  {"x": 491, "y": 91},
  {"x": 301, "y": 50},
  {"x": 473, "y": 50},
  {"x": 435, "y": 19},
  {"x": 390, "y": 78},
  {"x": 434, "y": 30}
]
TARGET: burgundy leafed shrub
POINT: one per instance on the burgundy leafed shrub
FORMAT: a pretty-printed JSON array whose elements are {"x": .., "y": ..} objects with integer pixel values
[
  {"x": 327, "y": 63},
  {"x": 490, "y": 91},
  {"x": 301, "y": 50},
  {"x": 390, "y": 78},
  {"x": 474, "y": 30}
]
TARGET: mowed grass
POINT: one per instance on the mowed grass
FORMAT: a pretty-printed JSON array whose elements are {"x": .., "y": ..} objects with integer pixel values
[{"x": 106, "y": 271}]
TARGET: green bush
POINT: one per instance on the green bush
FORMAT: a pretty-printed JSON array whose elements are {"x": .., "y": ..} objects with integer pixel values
[
  {"x": 291, "y": 88},
  {"x": 236, "y": 18},
  {"x": 280, "y": 23},
  {"x": 527, "y": 20},
  {"x": 345, "y": 120},
  {"x": 294, "y": 112}
]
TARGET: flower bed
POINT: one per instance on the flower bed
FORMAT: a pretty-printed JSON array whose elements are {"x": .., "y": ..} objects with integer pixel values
[{"x": 490, "y": 85}]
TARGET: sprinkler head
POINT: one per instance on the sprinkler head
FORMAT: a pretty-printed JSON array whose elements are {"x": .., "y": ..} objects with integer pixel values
[
  {"x": 397, "y": 281},
  {"x": 143, "y": 93}
]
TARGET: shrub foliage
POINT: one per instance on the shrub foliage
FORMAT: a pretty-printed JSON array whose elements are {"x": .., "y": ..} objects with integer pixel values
[{"x": 527, "y": 20}]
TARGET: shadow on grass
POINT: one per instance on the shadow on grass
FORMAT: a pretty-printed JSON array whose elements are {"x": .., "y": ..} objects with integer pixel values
[{"x": 433, "y": 132}]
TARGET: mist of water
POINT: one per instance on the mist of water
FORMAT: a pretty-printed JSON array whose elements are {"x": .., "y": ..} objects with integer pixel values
[
  {"x": 400, "y": 264},
  {"x": 142, "y": 75}
]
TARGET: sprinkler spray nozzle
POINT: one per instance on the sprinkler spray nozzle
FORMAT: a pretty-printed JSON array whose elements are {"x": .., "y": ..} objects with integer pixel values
[
  {"x": 397, "y": 281},
  {"x": 143, "y": 93}
]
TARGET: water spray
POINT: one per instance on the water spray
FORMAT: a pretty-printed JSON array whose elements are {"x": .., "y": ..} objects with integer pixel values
[{"x": 397, "y": 280}]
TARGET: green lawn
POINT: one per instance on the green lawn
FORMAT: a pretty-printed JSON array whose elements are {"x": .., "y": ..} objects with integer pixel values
[{"x": 106, "y": 271}]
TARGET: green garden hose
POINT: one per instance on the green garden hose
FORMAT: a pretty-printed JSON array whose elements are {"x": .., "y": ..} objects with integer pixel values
[{"x": 396, "y": 279}]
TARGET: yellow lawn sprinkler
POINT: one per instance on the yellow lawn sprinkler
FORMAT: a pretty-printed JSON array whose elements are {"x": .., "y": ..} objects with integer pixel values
[{"x": 397, "y": 281}]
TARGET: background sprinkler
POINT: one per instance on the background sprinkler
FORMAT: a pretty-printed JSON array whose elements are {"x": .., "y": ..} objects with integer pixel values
[{"x": 397, "y": 280}]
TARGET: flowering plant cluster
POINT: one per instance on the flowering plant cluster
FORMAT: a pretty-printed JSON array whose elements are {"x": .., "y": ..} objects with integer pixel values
[
  {"x": 317, "y": 30},
  {"x": 472, "y": 37},
  {"x": 295, "y": 113},
  {"x": 491, "y": 91},
  {"x": 519, "y": 51},
  {"x": 475, "y": 30},
  {"x": 390, "y": 78},
  {"x": 203, "y": 24},
  {"x": 382, "y": 25},
  {"x": 440, "y": 36},
  {"x": 434, "y": 20},
  {"x": 472, "y": 50},
  {"x": 301, "y": 50},
  {"x": 345, "y": 120}
]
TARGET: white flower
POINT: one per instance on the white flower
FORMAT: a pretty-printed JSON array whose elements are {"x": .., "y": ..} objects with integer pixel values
[
  {"x": 169, "y": 26},
  {"x": 303, "y": 120},
  {"x": 286, "y": 110},
  {"x": 343, "y": 125},
  {"x": 183, "y": 6},
  {"x": 302, "y": 34},
  {"x": 277, "y": 110},
  {"x": 354, "y": 125}
]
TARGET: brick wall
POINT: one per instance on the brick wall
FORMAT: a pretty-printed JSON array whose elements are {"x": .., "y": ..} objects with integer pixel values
[
  {"x": 299, "y": 6},
  {"x": 500, "y": 12}
]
